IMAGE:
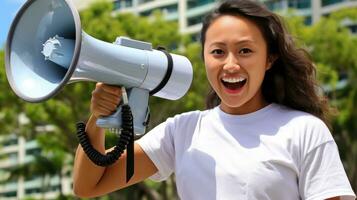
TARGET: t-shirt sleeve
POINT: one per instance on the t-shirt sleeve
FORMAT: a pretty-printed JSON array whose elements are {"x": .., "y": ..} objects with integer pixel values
[
  {"x": 158, "y": 144},
  {"x": 322, "y": 174}
]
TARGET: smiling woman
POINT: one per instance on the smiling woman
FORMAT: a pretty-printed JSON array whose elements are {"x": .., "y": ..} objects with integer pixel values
[{"x": 264, "y": 135}]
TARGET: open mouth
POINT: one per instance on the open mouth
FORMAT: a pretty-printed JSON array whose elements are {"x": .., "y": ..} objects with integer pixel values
[{"x": 234, "y": 83}]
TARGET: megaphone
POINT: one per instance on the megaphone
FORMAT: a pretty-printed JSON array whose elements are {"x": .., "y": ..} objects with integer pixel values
[{"x": 47, "y": 49}]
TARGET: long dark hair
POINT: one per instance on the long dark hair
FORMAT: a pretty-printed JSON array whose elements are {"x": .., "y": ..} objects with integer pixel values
[{"x": 291, "y": 81}]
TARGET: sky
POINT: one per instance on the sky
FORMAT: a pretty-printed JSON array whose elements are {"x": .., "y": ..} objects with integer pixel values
[{"x": 8, "y": 10}]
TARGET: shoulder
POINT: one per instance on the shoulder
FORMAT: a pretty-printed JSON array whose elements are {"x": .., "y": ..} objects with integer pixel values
[
  {"x": 298, "y": 119},
  {"x": 187, "y": 117},
  {"x": 307, "y": 130}
]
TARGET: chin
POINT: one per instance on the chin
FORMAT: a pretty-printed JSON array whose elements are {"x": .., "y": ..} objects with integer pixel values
[{"x": 233, "y": 104}]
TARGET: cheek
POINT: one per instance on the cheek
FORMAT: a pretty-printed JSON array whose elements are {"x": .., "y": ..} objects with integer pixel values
[
  {"x": 209, "y": 65},
  {"x": 256, "y": 67},
  {"x": 212, "y": 72},
  {"x": 257, "y": 76}
]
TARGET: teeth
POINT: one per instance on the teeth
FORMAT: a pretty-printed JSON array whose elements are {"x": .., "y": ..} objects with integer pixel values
[{"x": 233, "y": 80}]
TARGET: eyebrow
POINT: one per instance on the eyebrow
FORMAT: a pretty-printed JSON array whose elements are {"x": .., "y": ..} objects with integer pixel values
[{"x": 239, "y": 42}]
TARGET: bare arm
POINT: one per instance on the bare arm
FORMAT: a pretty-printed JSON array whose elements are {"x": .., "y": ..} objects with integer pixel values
[{"x": 90, "y": 180}]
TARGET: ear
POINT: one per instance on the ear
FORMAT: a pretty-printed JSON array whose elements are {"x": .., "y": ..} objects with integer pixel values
[{"x": 270, "y": 61}]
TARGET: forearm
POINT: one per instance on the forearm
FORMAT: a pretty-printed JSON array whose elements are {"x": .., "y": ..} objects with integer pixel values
[{"x": 86, "y": 174}]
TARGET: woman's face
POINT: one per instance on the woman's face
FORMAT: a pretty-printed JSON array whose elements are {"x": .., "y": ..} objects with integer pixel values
[{"x": 236, "y": 59}]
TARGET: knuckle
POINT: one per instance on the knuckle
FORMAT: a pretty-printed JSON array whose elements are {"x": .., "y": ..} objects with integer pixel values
[
  {"x": 117, "y": 101},
  {"x": 95, "y": 93},
  {"x": 99, "y": 84},
  {"x": 117, "y": 91}
]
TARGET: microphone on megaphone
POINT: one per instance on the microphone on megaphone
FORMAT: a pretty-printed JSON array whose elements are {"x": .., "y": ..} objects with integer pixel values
[{"x": 47, "y": 49}]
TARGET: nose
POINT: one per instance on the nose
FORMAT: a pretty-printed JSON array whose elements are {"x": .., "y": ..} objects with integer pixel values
[{"x": 231, "y": 65}]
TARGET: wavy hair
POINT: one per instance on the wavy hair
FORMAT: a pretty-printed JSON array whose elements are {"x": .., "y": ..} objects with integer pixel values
[{"x": 291, "y": 81}]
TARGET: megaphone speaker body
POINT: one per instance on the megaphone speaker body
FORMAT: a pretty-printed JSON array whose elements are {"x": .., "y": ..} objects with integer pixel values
[{"x": 47, "y": 49}]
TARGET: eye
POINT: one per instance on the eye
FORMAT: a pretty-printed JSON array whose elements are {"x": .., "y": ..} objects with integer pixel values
[
  {"x": 245, "y": 51},
  {"x": 217, "y": 51}
]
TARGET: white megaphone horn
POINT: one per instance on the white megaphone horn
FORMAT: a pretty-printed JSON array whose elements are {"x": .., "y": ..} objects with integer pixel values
[{"x": 47, "y": 49}]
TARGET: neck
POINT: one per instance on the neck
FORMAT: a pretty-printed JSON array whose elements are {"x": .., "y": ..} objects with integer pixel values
[{"x": 256, "y": 103}]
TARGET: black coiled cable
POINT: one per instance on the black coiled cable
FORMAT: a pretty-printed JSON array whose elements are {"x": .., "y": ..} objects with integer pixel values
[{"x": 125, "y": 141}]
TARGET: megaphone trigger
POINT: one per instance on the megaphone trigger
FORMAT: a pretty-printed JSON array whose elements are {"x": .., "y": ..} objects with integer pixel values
[{"x": 124, "y": 96}]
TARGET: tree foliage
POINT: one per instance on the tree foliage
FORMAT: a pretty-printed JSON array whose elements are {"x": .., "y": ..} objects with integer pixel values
[{"x": 10, "y": 104}]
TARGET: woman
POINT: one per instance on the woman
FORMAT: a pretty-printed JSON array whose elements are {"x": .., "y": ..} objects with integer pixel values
[{"x": 263, "y": 136}]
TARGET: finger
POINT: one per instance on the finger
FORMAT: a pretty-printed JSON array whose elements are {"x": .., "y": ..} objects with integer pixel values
[
  {"x": 102, "y": 111},
  {"x": 107, "y": 104},
  {"x": 110, "y": 98},
  {"x": 99, "y": 102},
  {"x": 115, "y": 90},
  {"x": 99, "y": 94}
]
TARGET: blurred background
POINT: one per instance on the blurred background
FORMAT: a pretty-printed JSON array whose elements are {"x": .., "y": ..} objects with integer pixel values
[{"x": 38, "y": 141}]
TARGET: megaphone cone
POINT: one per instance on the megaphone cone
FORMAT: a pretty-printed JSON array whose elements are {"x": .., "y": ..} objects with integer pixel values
[{"x": 32, "y": 77}]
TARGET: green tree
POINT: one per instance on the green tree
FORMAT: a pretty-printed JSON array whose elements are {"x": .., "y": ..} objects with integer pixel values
[{"x": 10, "y": 104}]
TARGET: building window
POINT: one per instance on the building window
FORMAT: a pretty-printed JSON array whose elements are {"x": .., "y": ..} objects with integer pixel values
[
  {"x": 55, "y": 188},
  {"x": 31, "y": 178},
  {"x": 195, "y": 3},
  {"x": 33, "y": 191},
  {"x": 144, "y": 1},
  {"x": 330, "y": 2},
  {"x": 164, "y": 9},
  {"x": 299, "y": 4},
  {"x": 9, "y": 194},
  {"x": 195, "y": 37},
  {"x": 9, "y": 142},
  {"x": 353, "y": 28},
  {"x": 274, "y": 5},
  {"x": 120, "y": 4},
  {"x": 33, "y": 152},
  {"x": 169, "y": 9},
  {"x": 147, "y": 13},
  {"x": 195, "y": 20},
  {"x": 308, "y": 20}
]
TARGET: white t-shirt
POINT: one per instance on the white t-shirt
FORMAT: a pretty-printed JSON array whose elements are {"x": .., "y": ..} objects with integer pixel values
[{"x": 275, "y": 153}]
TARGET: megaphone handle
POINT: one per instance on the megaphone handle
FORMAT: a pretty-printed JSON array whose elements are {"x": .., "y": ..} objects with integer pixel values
[{"x": 138, "y": 101}]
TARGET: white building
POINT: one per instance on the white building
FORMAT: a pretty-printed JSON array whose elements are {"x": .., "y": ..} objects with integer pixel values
[
  {"x": 15, "y": 151},
  {"x": 189, "y": 13}
]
